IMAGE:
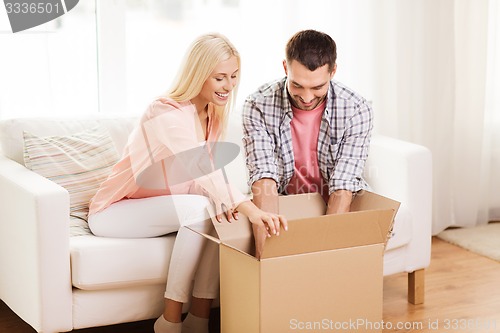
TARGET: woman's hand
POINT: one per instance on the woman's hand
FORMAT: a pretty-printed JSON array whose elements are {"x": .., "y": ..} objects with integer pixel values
[
  {"x": 222, "y": 209},
  {"x": 264, "y": 224},
  {"x": 230, "y": 214},
  {"x": 272, "y": 223}
]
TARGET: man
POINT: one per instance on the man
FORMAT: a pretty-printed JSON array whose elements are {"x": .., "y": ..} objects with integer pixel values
[{"x": 306, "y": 132}]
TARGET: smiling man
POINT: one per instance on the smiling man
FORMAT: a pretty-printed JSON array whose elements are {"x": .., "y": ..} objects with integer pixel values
[{"x": 306, "y": 132}]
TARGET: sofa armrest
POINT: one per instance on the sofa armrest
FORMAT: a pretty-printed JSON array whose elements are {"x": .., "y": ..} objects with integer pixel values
[
  {"x": 34, "y": 248},
  {"x": 402, "y": 171}
]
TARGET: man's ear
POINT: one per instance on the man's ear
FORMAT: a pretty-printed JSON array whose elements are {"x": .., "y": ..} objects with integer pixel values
[
  {"x": 284, "y": 67},
  {"x": 333, "y": 71}
]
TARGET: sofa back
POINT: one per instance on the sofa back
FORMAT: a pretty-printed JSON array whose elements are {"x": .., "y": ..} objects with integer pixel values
[{"x": 12, "y": 140}]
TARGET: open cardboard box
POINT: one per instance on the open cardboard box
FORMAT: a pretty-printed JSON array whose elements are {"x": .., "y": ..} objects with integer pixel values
[{"x": 324, "y": 274}]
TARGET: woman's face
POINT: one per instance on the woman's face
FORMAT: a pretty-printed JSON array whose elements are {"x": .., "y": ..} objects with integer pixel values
[{"x": 221, "y": 81}]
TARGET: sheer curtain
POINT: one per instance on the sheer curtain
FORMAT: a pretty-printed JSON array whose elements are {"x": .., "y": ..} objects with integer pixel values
[
  {"x": 436, "y": 83},
  {"x": 142, "y": 42}
]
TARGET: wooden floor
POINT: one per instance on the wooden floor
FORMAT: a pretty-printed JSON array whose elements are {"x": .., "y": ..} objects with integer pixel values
[{"x": 462, "y": 295}]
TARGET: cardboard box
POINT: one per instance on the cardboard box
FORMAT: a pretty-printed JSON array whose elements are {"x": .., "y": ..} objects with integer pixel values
[{"x": 324, "y": 274}]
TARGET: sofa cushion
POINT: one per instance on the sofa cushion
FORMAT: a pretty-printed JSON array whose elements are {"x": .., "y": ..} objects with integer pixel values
[
  {"x": 11, "y": 130},
  {"x": 78, "y": 162},
  {"x": 104, "y": 263}
]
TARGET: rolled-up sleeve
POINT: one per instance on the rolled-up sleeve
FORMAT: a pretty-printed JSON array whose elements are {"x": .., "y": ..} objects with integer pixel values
[
  {"x": 258, "y": 144},
  {"x": 352, "y": 151}
]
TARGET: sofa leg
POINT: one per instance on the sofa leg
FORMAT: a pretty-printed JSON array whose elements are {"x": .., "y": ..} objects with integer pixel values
[{"x": 416, "y": 286}]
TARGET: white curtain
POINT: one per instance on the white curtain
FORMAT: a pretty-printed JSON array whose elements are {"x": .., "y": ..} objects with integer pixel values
[{"x": 436, "y": 83}]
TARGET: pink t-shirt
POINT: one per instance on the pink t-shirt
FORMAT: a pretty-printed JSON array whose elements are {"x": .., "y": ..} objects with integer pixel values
[
  {"x": 165, "y": 130},
  {"x": 306, "y": 177}
]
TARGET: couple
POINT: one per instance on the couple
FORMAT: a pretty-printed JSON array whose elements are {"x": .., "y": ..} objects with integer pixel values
[{"x": 303, "y": 133}]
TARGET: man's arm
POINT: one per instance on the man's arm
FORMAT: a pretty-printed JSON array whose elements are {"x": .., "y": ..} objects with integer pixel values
[
  {"x": 353, "y": 148},
  {"x": 265, "y": 196},
  {"x": 339, "y": 202}
]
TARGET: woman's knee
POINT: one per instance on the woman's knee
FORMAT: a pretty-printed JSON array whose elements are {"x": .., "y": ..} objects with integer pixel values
[{"x": 191, "y": 208}]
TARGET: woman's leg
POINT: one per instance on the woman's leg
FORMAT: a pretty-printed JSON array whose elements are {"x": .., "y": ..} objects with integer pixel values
[
  {"x": 189, "y": 249},
  {"x": 138, "y": 218},
  {"x": 156, "y": 216},
  {"x": 206, "y": 281},
  {"x": 205, "y": 289}
]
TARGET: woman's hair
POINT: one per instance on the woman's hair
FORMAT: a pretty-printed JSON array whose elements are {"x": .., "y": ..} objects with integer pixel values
[
  {"x": 204, "y": 54},
  {"x": 313, "y": 49}
]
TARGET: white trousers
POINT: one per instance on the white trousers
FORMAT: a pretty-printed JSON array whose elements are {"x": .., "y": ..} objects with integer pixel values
[{"x": 194, "y": 262}]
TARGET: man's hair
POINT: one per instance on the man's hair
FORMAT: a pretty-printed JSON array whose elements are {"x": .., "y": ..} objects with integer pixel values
[{"x": 313, "y": 49}]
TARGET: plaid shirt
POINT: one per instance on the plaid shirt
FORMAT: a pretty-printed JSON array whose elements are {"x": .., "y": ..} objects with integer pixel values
[{"x": 343, "y": 141}]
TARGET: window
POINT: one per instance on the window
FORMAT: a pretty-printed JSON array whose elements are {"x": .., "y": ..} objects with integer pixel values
[
  {"x": 50, "y": 70},
  {"x": 148, "y": 39},
  {"x": 116, "y": 56}
]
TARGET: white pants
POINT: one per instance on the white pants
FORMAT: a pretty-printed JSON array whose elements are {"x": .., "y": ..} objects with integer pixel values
[{"x": 193, "y": 258}]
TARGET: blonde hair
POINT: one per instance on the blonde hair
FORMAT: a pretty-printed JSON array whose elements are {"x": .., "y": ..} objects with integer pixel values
[{"x": 204, "y": 54}]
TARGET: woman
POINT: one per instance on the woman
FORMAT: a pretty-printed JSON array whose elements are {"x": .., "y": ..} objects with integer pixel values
[{"x": 145, "y": 196}]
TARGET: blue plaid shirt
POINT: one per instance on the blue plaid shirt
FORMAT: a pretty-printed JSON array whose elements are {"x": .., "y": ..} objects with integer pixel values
[{"x": 343, "y": 141}]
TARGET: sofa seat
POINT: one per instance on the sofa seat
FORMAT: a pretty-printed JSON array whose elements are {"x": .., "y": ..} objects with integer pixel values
[{"x": 99, "y": 263}]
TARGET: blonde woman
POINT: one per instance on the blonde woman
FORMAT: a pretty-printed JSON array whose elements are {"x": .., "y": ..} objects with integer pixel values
[{"x": 144, "y": 198}]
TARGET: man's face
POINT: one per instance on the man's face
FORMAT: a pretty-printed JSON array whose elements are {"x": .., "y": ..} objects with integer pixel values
[{"x": 307, "y": 88}]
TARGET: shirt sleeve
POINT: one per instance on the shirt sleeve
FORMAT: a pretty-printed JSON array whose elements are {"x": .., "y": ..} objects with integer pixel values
[
  {"x": 258, "y": 144},
  {"x": 352, "y": 151}
]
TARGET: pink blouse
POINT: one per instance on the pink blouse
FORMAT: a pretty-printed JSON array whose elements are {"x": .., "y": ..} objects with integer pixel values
[{"x": 166, "y": 129}]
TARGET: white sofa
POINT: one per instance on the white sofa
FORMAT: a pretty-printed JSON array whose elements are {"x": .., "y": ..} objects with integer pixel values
[{"x": 57, "y": 282}]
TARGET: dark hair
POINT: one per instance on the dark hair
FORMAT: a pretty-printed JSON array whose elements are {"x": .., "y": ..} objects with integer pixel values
[{"x": 312, "y": 48}]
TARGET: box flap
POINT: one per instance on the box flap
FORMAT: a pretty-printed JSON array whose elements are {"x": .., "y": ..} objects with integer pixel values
[
  {"x": 312, "y": 204},
  {"x": 237, "y": 234},
  {"x": 331, "y": 232},
  {"x": 206, "y": 229},
  {"x": 301, "y": 206},
  {"x": 365, "y": 200},
  {"x": 369, "y": 222}
]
